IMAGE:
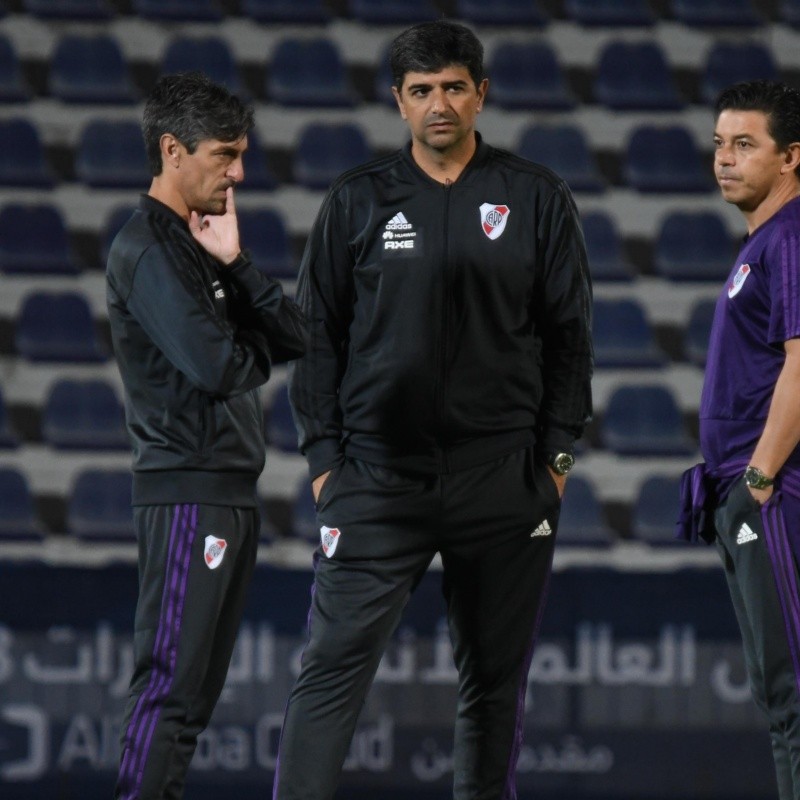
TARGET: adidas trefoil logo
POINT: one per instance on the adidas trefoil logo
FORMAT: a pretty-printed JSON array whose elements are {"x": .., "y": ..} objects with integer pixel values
[
  {"x": 746, "y": 534},
  {"x": 543, "y": 529}
]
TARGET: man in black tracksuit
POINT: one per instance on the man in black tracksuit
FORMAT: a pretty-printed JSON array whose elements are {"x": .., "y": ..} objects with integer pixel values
[
  {"x": 447, "y": 378},
  {"x": 195, "y": 329}
]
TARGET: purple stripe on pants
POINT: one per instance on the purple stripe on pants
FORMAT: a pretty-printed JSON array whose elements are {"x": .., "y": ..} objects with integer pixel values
[{"x": 148, "y": 707}]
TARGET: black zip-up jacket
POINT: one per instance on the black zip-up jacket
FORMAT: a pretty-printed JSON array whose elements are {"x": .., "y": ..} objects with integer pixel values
[
  {"x": 193, "y": 340},
  {"x": 450, "y": 324}
]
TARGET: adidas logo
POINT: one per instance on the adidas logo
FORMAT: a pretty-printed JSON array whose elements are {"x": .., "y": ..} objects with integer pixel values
[
  {"x": 398, "y": 223},
  {"x": 746, "y": 534},
  {"x": 542, "y": 530}
]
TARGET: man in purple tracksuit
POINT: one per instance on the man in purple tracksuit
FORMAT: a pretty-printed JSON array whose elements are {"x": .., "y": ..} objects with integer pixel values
[
  {"x": 196, "y": 329},
  {"x": 746, "y": 495}
]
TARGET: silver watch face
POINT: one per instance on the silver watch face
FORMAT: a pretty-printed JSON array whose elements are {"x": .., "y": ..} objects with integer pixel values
[{"x": 563, "y": 463}]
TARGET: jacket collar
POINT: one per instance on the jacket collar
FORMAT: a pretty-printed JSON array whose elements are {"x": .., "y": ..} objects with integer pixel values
[{"x": 480, "y": 155}]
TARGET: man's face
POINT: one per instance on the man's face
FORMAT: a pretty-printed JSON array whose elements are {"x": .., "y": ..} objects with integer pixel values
[
  {"x": 205, "y": 174},
  {"x": 440, "y": 107},
  {"x": 747, "y": 161}
]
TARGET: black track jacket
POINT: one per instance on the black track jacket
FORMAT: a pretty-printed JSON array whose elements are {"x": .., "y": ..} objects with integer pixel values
[
  {"x": 193, "y": 341},
  {"x": 450, "y": 325}
]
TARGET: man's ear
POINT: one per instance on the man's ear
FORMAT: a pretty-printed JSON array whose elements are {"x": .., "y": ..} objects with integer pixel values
[
  {"x": 171, "y": 150},
  {"x": 399, "y": 100},
  {"x": 792, "y": 159}
]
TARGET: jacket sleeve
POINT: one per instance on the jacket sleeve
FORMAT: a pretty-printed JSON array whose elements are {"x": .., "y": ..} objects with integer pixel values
[
  {"x": 169, "y": 301},
  {"x": 563, "y": 317},
  {"x": 325, "y": 296},
  {"x": 262, "y": 306}
]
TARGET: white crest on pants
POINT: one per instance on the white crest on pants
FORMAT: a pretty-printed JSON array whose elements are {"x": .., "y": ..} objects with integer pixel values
[{"x": 330, "y": 538}]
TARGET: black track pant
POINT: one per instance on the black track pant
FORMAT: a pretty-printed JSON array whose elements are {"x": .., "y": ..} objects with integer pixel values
[
  {"x": 381, "y": 530},
  {"x": 763, "y": 581},
  {"x": 191, "y": 595}
]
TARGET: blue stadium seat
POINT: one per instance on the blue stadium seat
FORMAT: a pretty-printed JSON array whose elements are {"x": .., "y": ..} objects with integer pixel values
[
  {"x": 263, "y": 232},
  {"x": 287, "y": 11},
  {"x": 304, "y": 524},
  {"x": 22, "y": 159},
  {"x": 99, "y": 506},
  {"x": 645, "y": 421},
  {"x": 655, "y": 511},
  {"x": 502, "y": 12},
  {"x": 716, "y": 13},
  {"x": 382, "y": 81},
  {"x": 391, "y": 12},
  {"x": 693, "y": 246},
  {"x": 607, "y": 261},
  {"x": 69, "y": 9},
  {"x": 116, "y": 218},
  {"x": 789, "y": 12},
  {"x": 90, "y": 69},
  {"x": 614, "y": 13},
  {"x": 13, "y": 86},
  {"x": 563, "y": 149},
  {"x": 57, "y": 326},
  {"x": 208, "y": 54},
  {"x": 324, "y": 151},
  {"x": 281, "y": 431},
  {"x": 179, "y": 10},
  {"x": 309, "y": 72},
  {"x": 635, "y": 76},
  {"x": 18, "y": 518},
  {"x": 112, "y": 155},
  {"x": 33, "y": 239},
  {"x": 665, "y": 160},
  {"x": 732, "y": 62},
  {"x": 257, "y": 174},
  {"x": 622, "y": 336},
  {"x": 582, "y": 521},
  {"x": 527, "y": 75},
  {"x": 698, "y": 331},
  {"x": 8, "y": 436},
  {"x": 84, "y": 415}
]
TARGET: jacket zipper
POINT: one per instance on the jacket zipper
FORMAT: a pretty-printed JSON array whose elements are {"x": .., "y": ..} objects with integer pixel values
[{"x": 442, "y": 405}]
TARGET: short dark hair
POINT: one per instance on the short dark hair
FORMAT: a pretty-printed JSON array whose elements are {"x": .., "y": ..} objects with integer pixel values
[
  {"x": 777, "y": 101},
  {"x": 192, "y": 108},
  {"x": 432, "y": 46}
]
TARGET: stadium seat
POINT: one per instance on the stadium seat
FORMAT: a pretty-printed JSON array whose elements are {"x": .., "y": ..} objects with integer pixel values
[
  {"x": 615, "y": 13},
  {"x": 324, "y": 151},
  {"x": 116, "y": 218},
  {"x": 655, "y": 511},
  {"x": 90, "y": 69},
  {"x": 208, "y": 54},
  {"x": 287, "y": 11},
  {"x": 698, "y": 331},
  {"x": 70, "y": 9},
  {"x": 514, "y": 13},
  {"x": 309, "y": 72},
  {"x": 527, "y": 75},
  {"x": 8, "y": 436},
  {"x": 99, "y": 506},
  {"x": 665, "y": 160},
  {"x": 693, "y": 246},
  {"x": 257, "y": 174},
  {"x": 18, "y": 518},
  {"x": 622, "y": 336},
  {"x": 563, "y": 149},
  {"x": 635, "y": 76},
  {"x": 280, "y": 429},
  {"x": 33, "y": 239},
  {"x": 789, "y": 12},
  {"x": 263, "y": 232},
  {"x": 304, "y": 514},
  {"x": 178, "y": 10},
  {"x": 112, "y": 155},
  {"x": 393, "y": 12},
  {"x": 716, "y": 13},
  {"x": 13, "y": 86},
  {"x": 607, "y": 261},
  {"x": 382, "y": 80},
  {"x": 57, "y": 326},
  {"x": 83, "y": 415},
  {"x": 22, "y": 159},
  {"x": 732, "y": 62},
  {"x": 645, "y": 421},
  {"x": 582, "y": 521}
]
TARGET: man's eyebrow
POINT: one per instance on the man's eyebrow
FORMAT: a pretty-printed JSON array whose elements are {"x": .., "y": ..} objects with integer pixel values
[{"x": 428, "y": 85}]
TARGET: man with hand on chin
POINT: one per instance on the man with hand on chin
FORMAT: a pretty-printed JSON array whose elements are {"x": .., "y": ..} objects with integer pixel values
[
  {"x": 196, "y": 329},
  {"x": 746, "y": 496}
]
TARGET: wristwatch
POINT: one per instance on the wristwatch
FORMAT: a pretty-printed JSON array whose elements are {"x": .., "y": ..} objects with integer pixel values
[
  {"x": 756, "y": 479},
  {"x": 560, "y": 463}
]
